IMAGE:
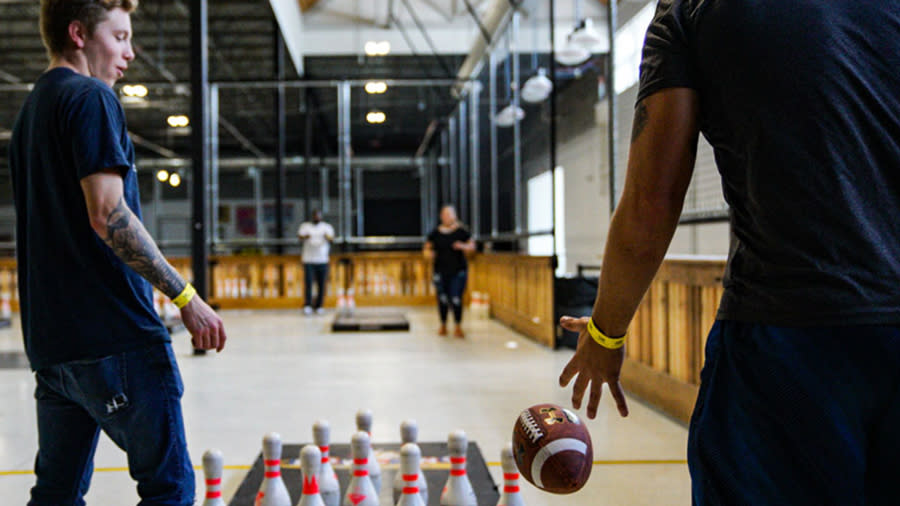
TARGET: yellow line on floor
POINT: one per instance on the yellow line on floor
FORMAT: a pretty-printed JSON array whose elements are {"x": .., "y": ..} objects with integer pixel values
[{"x": 639, "y": 462}]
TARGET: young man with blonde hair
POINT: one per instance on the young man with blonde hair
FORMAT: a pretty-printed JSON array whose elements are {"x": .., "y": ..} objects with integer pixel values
[{"x": 101, "y": 356}]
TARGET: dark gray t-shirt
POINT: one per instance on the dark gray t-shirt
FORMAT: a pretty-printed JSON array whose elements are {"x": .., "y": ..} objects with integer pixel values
[{"x": 800, "y": 100}]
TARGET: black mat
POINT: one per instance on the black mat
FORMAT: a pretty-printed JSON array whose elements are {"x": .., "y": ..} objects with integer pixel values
[
  {"x": 369, "y": 321},
  {"x": 435, "y": 466}
]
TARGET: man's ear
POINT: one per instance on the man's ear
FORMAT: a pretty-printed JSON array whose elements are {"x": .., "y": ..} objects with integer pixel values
[{"x": 78, "y": 34}]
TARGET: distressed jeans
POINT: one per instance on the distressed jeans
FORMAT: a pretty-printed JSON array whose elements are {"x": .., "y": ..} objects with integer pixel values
[{"x": 135, "y": 398}]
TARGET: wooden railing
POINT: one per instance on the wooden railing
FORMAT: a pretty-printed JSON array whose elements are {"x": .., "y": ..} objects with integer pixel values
[
  {"x": 521, "y": 292},
  {"x": 668, "y": 334},
  {"x": 276, "y": 281}
]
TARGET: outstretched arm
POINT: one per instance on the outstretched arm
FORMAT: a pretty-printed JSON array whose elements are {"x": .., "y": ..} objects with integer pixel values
[
  {"x": 123, "y": 232},
  {"x": 660, "y": 164}
]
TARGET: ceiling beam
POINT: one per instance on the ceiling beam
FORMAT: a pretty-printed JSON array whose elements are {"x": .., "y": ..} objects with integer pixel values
[{"x": 6, "y": 76}]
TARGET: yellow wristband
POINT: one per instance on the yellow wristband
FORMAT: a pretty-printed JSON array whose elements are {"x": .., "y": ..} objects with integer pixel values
[
  {"x": 185, "y": 296},
  {"x": 612, "y": 343}
]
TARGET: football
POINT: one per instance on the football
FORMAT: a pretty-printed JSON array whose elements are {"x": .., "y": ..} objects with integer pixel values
[{"x": 553, "y": 448}]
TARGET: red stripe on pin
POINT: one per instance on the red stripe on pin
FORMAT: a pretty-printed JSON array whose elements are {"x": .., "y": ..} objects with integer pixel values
[
  {"x": 457, "y": 460},
  {"x": 273, "y": 462},
  {"x": 410, "y": 477},
  {"x": 214, "y": 481},
  {"x": 360, "y": 462},
  {"x": 310, "y": 487},
  {"x": 510, "y": 476},
  {"x": 213, "y": 495},
  {"x": 323, "y": 449},
  {"x": 361, "y": 472},
  {"x": 457, "y": 472},
  {"x": 511, "y": 490},
  {"x": 273, "y": 474},
  {"x": 410, "y": 490},
  {"x": 324, "y": 460}
]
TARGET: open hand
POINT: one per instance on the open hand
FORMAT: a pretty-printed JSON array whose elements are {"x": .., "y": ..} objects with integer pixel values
[{"x": 593, "y": 364}]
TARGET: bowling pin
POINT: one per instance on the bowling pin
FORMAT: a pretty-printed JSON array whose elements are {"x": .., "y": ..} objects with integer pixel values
[
  {"x": 409, "y": 433},
  {"x": 329, "y": 487},
  {"x": 511, "y": 495},
  {"x": 213, "y": 463},
  {"x": 410, "y": 455},
  {"x": 272, "y": 492},
  {"x": 310, "y": 464},
  {"x": 360, "y": 492},
  {"x": 364, "y": 424},
  {"x": 458, "y": 491}
]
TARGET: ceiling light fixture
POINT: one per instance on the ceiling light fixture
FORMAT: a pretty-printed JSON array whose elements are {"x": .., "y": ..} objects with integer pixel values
[
  {"x": 509, "y": 115},
  {"x": 175, "y": 180},
  {"x": 178, "y": 121},
  {"x": 134, "y": 90},
  {"x": 377, "y": 48},
  {"x": 162, "y": 175},
  {"x": 585, "y": 35},
  {"x": 572, "y": 54},
  {"x": 537, "y": 88},
  {"x": 376, "y": 117},
  {"x": 376, "y": 87}
]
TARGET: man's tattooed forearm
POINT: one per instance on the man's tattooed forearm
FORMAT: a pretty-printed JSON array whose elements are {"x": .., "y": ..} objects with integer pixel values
[
  {"x": 131, "y": 242},
  {"x": 641, "y": 116}
]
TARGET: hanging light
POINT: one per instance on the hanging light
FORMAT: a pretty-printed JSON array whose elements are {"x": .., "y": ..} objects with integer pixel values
[
  {"x": 572, "y": 54},
  {"x": 162, "y": 175},
  {"x": 537, "y": 88},
  {"x": 509, "y": 115},
  {"x": 175, "y": 180},
  {"x": 585, "y": 36}
]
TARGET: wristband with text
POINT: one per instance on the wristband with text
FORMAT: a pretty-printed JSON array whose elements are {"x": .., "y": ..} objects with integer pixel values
[
  {"x": 185, "y": 296},
  {"x": 612, "y": 343}
]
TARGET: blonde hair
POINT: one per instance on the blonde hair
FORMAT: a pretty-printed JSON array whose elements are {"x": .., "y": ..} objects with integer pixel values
[{"x": 57, "y": 15}]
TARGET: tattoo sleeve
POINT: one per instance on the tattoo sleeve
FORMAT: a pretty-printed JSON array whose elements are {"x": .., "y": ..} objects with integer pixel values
[
  {"x": 128, "y": 238},
  {"x": 641, "y": 116}
]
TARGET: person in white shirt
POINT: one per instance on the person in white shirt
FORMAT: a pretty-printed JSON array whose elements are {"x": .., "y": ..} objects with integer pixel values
[{"x": 316, "y": 237}]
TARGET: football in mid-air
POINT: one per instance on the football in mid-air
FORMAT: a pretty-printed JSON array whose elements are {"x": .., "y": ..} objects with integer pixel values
[{"x": 552, "y": 447}]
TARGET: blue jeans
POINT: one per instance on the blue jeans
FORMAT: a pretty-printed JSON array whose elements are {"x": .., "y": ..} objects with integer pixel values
[
  {"x": 135, "y": 398},
  {"x": 317, "y": 273},
  {"x": 797, "y": 416},
  {"x": 450, "y": 288}
]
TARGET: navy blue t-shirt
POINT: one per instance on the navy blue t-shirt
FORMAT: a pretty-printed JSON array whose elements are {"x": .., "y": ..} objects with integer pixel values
[
  {"x": 78, "y": 299},
  {"x": 800, "y": 100}
]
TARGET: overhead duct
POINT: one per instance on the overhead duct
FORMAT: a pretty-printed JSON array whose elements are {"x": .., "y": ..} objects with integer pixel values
[{"x": 495, "y": 19}]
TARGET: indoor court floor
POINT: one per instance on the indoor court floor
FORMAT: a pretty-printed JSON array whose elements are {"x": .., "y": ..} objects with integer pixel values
[{"x": 281, "y": 371}]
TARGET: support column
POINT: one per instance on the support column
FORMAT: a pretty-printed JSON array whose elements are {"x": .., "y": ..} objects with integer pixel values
[
  {"x": 199, "y": 142},
  {"x": 344, "y": 148},
  {"x": 280, "y": 126},
  {"x": 613, "y": 124},
  {"x": 475, "y": 160},
  {"x": 492, "y": 114},
  {"x": 463, "y": 122}
]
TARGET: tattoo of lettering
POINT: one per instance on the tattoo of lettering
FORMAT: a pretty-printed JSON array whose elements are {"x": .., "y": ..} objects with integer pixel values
[
  {"x": 131, "y": 242},
  {"x": 640, "y": 121}
]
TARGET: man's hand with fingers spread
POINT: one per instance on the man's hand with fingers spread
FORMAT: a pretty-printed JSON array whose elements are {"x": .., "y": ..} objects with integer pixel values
[{"x": 592, "y": 364}]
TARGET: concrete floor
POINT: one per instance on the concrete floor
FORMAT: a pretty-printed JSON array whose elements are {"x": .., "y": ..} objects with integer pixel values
[{"x": 281, "y": 371}]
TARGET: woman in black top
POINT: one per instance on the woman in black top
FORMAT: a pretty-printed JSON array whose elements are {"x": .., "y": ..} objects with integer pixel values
[{"x": 448, "y": 244}]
